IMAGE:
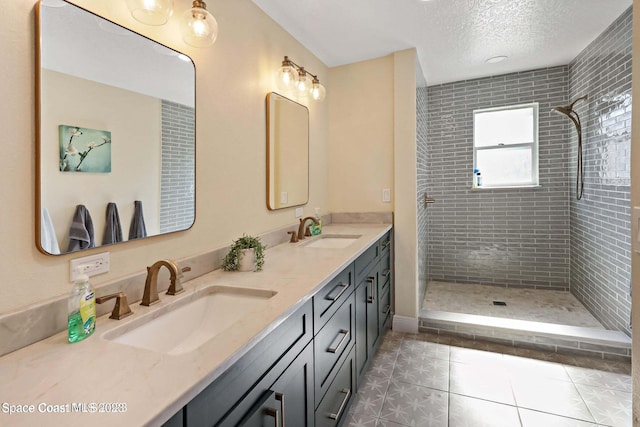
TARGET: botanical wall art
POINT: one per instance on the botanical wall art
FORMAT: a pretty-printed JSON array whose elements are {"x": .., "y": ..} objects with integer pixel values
[{"x": 84, "y": 150}]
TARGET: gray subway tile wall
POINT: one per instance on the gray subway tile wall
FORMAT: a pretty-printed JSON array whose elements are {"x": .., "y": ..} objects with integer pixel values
[
  {"x": 177, "y": 187},
  {"x": 505, "y": 237},
  {"x": 601, "y": 221},
  {"x": 422, "y": 164}
]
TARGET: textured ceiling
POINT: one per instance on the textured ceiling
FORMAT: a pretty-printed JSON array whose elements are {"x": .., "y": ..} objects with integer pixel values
[{"x": 453, "y": 38}]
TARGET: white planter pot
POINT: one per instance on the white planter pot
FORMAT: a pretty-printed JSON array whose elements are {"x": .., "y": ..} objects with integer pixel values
[{"x": 247, "y": 261}]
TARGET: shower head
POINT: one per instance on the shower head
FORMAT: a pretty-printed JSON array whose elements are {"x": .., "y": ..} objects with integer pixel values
[
  {"x": 568, "y": 109},
  {"x": 562, "y": 110}
]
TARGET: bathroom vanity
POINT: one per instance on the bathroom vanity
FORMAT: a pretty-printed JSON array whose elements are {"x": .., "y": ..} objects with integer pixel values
[
  {"x": 293, "y": 355},
  {"x": 306, "y": 371}
]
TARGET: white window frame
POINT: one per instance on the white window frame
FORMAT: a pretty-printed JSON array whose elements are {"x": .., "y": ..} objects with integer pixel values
[{"x": 534, "y": 182}]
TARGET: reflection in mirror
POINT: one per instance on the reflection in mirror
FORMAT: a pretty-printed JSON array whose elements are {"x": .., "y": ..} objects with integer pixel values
[
  {"x": 287, "y": 152},
  {"x": 116, "y": 133}
]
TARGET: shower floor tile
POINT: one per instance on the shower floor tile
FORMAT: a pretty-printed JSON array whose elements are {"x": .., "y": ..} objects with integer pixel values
[{"x": 536, "y": 305}]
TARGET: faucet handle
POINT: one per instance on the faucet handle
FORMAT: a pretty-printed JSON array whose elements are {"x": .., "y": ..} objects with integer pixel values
[
  {"x": 176, "y": 287},
  {"x": 121, "y": 308},
  {"x": 294, "y": 236}
]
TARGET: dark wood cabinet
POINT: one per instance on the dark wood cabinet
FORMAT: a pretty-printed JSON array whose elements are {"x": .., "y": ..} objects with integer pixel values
[{"x": 305, "y": 372}]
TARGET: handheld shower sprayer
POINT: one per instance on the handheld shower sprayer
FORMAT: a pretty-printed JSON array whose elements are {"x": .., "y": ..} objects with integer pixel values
[{"x": 575, "y": 118}]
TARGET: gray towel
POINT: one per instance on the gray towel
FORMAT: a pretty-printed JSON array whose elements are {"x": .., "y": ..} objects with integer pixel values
[
  {"x": 81, "y": 231},
  {"x": 112, "y": 229},
  {"x": 137, "y": 229}
]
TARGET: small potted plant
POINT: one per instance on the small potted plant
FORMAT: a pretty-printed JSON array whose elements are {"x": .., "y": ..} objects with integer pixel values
[{"x": 246, "y": 254}]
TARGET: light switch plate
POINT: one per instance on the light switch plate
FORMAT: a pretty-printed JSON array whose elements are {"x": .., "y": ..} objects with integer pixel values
[
  {"x": 386, "y": 195},
  {"x": 299, "y": 212},
  {"x": 92, "y": 265}
]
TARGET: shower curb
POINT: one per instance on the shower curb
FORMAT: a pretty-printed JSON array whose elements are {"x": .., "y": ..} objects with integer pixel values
[{"x": 600, "y": 343}]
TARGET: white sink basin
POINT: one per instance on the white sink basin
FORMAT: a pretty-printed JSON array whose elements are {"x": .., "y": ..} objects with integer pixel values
[
  {"x": 187, "y": 324},
  {"x": 333, "y": 241}
]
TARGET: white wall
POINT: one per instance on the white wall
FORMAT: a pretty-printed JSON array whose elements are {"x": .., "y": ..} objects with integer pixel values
[
  {"x": 135, "y": 128},
  {"x": 372, "y": 145},
  {"x": 361, "y": 136},
  {"x": 232, "y": 80}
]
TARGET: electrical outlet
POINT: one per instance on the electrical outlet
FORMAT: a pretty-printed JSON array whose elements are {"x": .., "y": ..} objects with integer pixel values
[
  {"x": 299, "y": 212},
  {"x": 91, "y": 265},
  {"x": 284, "y": 197},
  {"x": 386, "y": 195}
]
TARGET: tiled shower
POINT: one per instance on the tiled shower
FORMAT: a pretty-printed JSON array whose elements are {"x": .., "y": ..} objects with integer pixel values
[{"x": 538, "y": 237}]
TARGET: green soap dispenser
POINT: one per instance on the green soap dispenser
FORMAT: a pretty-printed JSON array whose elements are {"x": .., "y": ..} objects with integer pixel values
[
  {"x": 81, "y": 308},
  {"x": 317, "y": 229}
]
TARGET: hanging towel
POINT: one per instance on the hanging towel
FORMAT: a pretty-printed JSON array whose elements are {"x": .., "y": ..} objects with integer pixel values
[
  {"x": 137, "y": 229},
  {"x": 48, "y": 239},
  {"x": 81, "y": 231},
  {"x": 112, "y": 229}
]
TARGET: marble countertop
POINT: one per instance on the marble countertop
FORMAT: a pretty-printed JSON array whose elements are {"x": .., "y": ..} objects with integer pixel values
[{"x": 53, "y": 382}]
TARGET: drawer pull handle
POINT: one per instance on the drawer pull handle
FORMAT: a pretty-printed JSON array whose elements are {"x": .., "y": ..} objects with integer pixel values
[
  {"x": 387, "y": 310},
  {"x": 344, "y": 287},
  {"x": 345, "y": 334},
  {"x": 371, "y": 297},
  {"x": 280, "y": 397},
  {"x": 386, "y": 244},
  {"x": 273, "y": 413},
  {"x": 347, "y": 394},
  {"x": 386, "y": 272}
]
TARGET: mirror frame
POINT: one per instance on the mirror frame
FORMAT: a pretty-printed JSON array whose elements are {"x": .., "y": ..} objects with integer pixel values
[
  {"x": 271, "y": 144},
  {"x": 38, "y": 130}
]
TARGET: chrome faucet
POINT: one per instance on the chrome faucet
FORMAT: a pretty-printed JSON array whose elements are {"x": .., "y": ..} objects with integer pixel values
[
  {"x": 301, "y": 229},
  {"x": 150, "y": 295}
]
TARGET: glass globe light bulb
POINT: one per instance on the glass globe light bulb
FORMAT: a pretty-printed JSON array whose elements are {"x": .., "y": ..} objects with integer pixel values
[
  {"x": 199, "y": 27},
  {"x": 287, "y": 74},
  {"x": 303, "y": 84},
  {"x": 151, "y": 12},
  {"x": 318, "y": 92}
]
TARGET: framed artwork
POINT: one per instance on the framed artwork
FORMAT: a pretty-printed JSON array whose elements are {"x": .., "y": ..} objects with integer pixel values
[{"x": 84, "y": 150}]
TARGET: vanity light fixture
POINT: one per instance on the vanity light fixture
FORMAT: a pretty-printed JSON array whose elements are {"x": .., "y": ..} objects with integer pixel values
[
  {"x": 199, "y": 27},
  {"x": 292, "y": 75},
  {"x": 151, "y": 12}
]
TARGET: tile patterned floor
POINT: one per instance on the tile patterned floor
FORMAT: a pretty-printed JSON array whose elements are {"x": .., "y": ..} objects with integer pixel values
[
  {"x": 428, "y": 380},
  {"x": 538, "y": 305}
]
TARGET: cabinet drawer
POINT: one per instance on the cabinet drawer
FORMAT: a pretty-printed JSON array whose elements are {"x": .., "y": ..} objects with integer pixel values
[
  {"x": 280, "y": 346},
  {"x": 331, "y": 343},
  {"x": 385, "y": 243},
  {"x": 384, "y": 269},
  {"x": 331, "y": 297},
  {"x": 335, "y": 404},
  {"x": 366, "y": 261}
]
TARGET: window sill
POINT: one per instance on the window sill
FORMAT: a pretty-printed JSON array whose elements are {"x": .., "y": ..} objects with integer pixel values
[{"x": 511, "y": 187}]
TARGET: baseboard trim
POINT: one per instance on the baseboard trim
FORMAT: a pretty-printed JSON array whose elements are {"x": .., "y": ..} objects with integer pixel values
[{"x": 405, "y": 324}]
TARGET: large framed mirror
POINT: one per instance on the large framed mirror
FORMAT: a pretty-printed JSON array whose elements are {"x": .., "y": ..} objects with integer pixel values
[
  {"x": 115, "y": 133},
  {"x": 287, "y": 152}
]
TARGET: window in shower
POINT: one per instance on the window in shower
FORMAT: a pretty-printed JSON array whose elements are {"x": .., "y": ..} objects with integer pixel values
[{"x": 505, "y": 145}]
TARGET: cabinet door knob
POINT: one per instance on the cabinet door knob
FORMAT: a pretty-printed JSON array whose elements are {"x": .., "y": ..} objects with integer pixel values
[
  {"x": 372, "y": 285},
  {"x": 280, "y": 397},
  {"x": 347, "y": 394},
  {"x": 343, "y": 287},
  {"x": 273, "y": 413},
  {"x": 334, "y": 349}
]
